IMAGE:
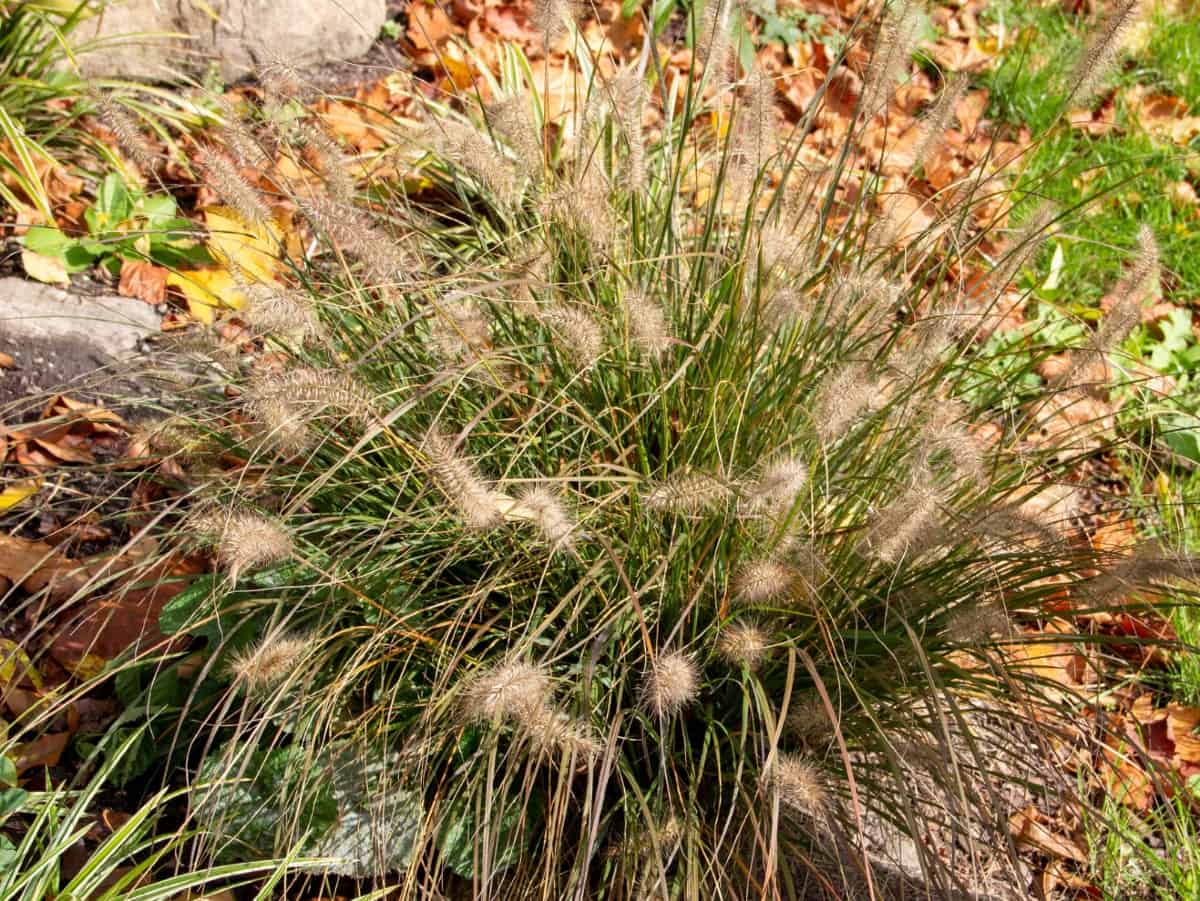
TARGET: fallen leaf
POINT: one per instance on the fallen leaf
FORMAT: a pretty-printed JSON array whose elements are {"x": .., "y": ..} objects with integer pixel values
[
  {"x": 6, "y": 362},
  {"x": 15, "y": 665},
  {"x": 14, "y": 493},
  {"x": 1027, "y": 830},
  {"x": 207, "y": 291},
  {"x": 43, "y": 751},
  {"x": 143, "y": 280},
  {"x": 969, "y": 110},
  {"x": 50, "y": 270},
  {"x": 428, "y": 25}
]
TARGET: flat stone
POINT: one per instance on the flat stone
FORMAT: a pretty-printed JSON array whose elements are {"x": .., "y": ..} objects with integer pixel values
[
  {"x": 56, "y": 338},
  {"x": 165, "y": 40}
]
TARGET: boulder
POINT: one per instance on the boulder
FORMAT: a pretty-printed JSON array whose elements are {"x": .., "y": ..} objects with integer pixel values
[
  {"x": 55, "y": 338},
  {"x": 167, "y": 40}
]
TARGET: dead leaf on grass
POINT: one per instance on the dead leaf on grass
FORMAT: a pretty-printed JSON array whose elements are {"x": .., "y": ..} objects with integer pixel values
[{"x": 1028, "y": 830}]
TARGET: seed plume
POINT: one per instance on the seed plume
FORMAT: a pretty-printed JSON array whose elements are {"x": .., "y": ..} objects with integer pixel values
[
  {"x": 283, "y": 313},
  {"x": 689, "y": 493},
  {"x": 550, "y": 516},
  {"x": 127, "y": 131},
  {"x": 510, "y": 119},
  {"x": 798, "y": 784},
  {"x": 289, "y": 403},
  {"x": 712, "y": 41},
  {"x": 384, "y": 260},
  {"x": 907, "y": 527},
  {"x": 579, "y": 333},
  {"x": 1101, "y": 53},
  {"x": 648, "y": 326},
  {"x": 843, "y": 397},
  {"x": 237, "y": 193},
  {"x": 898, "y": 33},
  {"x": 932, "y": 126},
  {"x": 671, "y": 684},
  {"x": 744, "y": 644},
  {"x": 1149, "y": 565},
  {"x": 244, "y": 540},
  {"x": 459, "y": 329},
  {"x": 978, "y": 623},
  {"x": 550, "y": 17},
  {"x": 1088, "y": 366},
  {"x": 510, "y": 691},
  {"x": 628, "y": 91},
  {"x": 762, "y": 581},
  {"x": 1023, "y": 246},
  {"x": 777, "y": 488},
  {"x": 550, "y": 729},
  {"x": 266, "y": 664},
  {"x": 459, "y": 479}
]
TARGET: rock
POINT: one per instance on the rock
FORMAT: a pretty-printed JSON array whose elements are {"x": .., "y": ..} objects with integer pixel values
[
  {"x": 164, "y": 40},
  {"x": 55, "y": 338}
]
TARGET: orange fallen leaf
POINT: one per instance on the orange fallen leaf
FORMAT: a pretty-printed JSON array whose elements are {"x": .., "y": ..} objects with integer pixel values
[{"x": 143, "y": 280}]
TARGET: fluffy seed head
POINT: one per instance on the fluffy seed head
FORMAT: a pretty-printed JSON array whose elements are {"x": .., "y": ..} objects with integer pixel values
[
  {"x": 1023, "y": 245},
  {"x": 906, "y": 528},
  {"x": 459, "y": 479},
  {"x": 511, "y": 691},
  {"x": 1149, "y": 565},
  {"x": 551, "y": 730},
  {"x": 244, "y": 540},
  {"x": 282, "y": 313},
  {"x": 459, "y": 329},
  {"x": 580, "y": 333},
  {"x": 744, "y": 644},
  {"x": 266, "y": 664},
  {"x": 754, "y": 135},
  {"x": 289, "y": 403},
  {"x": 648, "y": 325},
  {"x": 777, "y": 488},
  {"x": 237, "y": 193},
  {"x": 510, "y": 119},
  {"x": 477, "y": 155},
  {"x": 712, "y": 40},
  {"x": 898, "y": 33},
  {"x": 689, "y": 493},
  {"x": 384, "y": 261},
  {"x": 1098, "y": 57},
  {"x": 848, "y": 393},
  {"x": 127, "y": 131},
  {"x": 330, "y": 160},
  {"x": 932, "y": 126},
  {"x": 809, "y": 722},
  {"x": 762, "y": 581},
  {"x": 550, "y": 17},
  {"x": 798, "y": 784},
  {"x": 628, "y": 92},
  {"x": 671, "y": 684},
  {"x": 550, "y": 516}
]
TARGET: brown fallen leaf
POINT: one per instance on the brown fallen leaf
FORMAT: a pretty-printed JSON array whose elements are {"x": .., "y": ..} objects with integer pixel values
[
  {"x": 143, "y": 280},
  {"x": 43, "y": 751},
  {"x": 1027, "y": 830},
  {"x": 6, "y": 362}
]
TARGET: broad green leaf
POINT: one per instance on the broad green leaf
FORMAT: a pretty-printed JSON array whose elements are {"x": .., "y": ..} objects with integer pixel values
[
  {"x": 461, "y": 832},
  {"x": 183, "y": 609}
]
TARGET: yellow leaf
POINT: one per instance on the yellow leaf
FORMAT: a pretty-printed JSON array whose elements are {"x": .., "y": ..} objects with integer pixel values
[
  {"x": 207, "y": 290},
  {"x": 251, "y": 249},
  {"x": 43, "y": 268},
  {"x": 15, "y": 492},
  {"x": 88, "y": 667},
  {"x": 15, "y": 663}
]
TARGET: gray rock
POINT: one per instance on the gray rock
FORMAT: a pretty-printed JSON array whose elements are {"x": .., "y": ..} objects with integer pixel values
[
  {"x": 56, "y": 338},
  {"x": 164, "y": 40}
]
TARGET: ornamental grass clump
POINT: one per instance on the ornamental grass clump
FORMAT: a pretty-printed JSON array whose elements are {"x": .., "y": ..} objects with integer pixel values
[{"x": 592, "y": 546}]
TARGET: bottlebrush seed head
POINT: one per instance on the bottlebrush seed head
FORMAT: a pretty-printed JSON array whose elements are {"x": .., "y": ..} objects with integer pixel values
[
  {"x": 798, "y": 784},
  {"x": 263, "y": 666},
  {"x": 459, "y": 479},
  {"x": 672, "y": 683},
  {"x": 509, "y": 691}
]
